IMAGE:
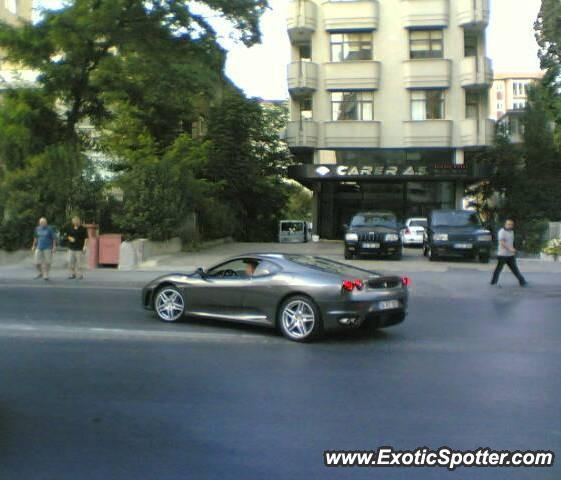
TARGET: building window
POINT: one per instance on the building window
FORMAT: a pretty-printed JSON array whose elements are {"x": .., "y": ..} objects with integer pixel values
[
  {"x": 519, "y": 105},
  {"x": 519, "y": 89},
  {"x": 472, "y": 104},
  {"x": 470, "y": 44},
  {"x": 352, "y": 105},
  {"x": 500, "y": 86},
  {"x": 305, "y": 52},
  {"x": 426, "y": 44},
  {"x": 427, "y": 105},
  {"x": 12, "y": 6},
  {"x": 500, "y": 106},
  {"x": 306, "y": 109},
  {"x": 351, "y": 46}
]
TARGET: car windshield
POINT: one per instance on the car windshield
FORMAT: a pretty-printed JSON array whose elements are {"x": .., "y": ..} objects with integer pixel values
[
  {"x": 329, "y": 266},
  {"x": 455, "y": 219},
  {"x": 374, "y": 220},
  {"x": 418, "y": 223}
]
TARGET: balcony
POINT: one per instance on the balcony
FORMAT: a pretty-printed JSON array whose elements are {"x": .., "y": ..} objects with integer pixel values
[
  {"x": 359, "y": 15},
  {"x": 476, "y": 72},
  {"x": 358, "y": 75},
  {"x": 302, "y": 134},
  {"x": 425, "y": 13},
  {"x": 475, "y": 132},
  {"x": 302, "y": 78},
  {"x": 427, "y": 73},
  {"x": 352, "y": 134},
  {"x": 428, "y": 133},
  {"x": 473, "y": 14},
  {"x": 301, "y": 20}
]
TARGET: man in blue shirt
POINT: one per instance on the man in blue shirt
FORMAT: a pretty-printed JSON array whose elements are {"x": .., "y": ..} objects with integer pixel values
[{"x": 44, "y": 246}]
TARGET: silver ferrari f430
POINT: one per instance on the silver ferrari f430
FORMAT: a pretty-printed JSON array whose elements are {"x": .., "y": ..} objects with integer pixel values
[{"x": 301, "y": 295}]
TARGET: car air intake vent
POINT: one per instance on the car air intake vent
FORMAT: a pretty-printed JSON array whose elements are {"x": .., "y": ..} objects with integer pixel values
[
  {"x": 370, "y": 237},
  {"x": 384, "y": 282}
]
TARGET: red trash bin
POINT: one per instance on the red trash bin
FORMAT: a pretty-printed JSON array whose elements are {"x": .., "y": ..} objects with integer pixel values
[{"x": 109, "y": 248}]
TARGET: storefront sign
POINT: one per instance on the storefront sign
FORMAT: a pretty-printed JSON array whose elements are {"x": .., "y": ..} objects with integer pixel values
[{"x": 326, "y": 171}]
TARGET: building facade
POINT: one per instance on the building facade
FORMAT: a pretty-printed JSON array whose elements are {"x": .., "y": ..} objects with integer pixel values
[
  {"x": 12, "y": 12},
  {"x": 388, "y": 104},
  {"x": 510, "y": 92}
]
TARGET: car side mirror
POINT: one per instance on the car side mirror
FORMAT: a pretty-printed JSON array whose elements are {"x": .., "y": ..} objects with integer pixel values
[{"x": 200, "y": 271}]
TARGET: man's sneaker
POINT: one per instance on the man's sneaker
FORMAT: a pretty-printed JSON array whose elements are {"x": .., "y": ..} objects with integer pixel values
[
  {"x": 71, "y": 277},
  {"x": 524, "y": 284},
  {"x": 46, "y": 279}
]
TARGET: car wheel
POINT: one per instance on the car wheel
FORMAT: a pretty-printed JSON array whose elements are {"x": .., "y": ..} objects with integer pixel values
[
  {"x": 299, "y": 319},
  {"x": 484, "y": 257},
  {"x": 432, "y": 256},
  {"x": 169, "y": 304}
]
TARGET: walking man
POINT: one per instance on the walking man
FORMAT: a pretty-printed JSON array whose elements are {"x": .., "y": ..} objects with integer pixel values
[
  {"x": 77, "y": 237},
  {"x": 507, "y": 254},
  {"x": 44, "y": 247}
]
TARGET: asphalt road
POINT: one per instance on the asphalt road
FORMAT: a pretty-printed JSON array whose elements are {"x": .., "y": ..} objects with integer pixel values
[{"x": 92, "y": 387}]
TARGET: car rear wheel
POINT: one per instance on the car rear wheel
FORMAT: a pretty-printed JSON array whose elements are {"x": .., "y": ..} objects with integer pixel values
[
  {"x": 169, "y": 304},
  {"x": 299, "y": 319}
]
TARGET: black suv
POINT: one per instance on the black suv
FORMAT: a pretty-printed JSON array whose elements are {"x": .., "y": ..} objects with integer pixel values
[
  {"x": 373, "y": 233},
  {"x": 456, "y": 233}
]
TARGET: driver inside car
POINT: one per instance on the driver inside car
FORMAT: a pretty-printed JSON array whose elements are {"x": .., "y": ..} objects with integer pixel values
[{"x": 250, "y": 267}]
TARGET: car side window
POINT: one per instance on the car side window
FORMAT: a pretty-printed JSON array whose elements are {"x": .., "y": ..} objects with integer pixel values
[
  {"x": 235, "y": 268},
  {"x": 265, "y": 268}
]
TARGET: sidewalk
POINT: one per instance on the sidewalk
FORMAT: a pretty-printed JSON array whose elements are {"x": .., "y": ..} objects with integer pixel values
[{"x": 413, "y": 261}]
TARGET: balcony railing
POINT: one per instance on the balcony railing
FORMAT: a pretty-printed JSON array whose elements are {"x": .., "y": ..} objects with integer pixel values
[
  {"x": 476, "y": 72},
  {"x": 302, "y": 78},
  {"x": 302, "y": 134},
  {"x": 359, "y": 15},
  {"x": 473, "y": 14},
  {"x": 425, "y": 13},
  {"x": 362, "y": 74},
  {"x": 302, "y": 20},
  {"x": 427, "y": 73},
  {"x": 428, "y": 133},
  {"x": 352, "y": 134}
]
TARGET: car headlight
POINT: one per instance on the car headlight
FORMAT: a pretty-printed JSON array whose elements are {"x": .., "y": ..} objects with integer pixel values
[
  {"x": 485, "y": 238},
  {"x": 351, "y": 237},
  {"x": 391, "y": 237},
  {"x": 441, "y": 237}
]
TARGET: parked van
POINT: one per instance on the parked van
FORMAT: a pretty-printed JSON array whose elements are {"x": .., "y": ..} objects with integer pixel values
[{"x": 294, "y": 231}]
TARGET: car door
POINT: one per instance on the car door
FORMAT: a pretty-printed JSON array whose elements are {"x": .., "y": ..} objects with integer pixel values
[
  {"x": 263, "y": 292},
  {"x": 219, "y": 293}
]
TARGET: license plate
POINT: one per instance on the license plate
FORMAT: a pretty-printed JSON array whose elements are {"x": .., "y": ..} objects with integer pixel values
[
  {"x": 463, "y": 246},
  {"x": 370, "y": 245},
  {"x": 388, "y": 304}
]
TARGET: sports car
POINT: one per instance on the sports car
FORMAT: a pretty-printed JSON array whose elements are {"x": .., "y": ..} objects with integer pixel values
[{"x": 301, "y": 295}]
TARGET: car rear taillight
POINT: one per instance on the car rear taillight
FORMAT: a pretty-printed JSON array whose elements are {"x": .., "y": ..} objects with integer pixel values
[
  {"x": 406, "y": 281},
  {"x": 350, "y": 285}
]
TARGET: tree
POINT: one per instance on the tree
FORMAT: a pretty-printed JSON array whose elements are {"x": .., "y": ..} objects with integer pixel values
[
  {"x": 157, "y": 64},
  {"x": 248, "y": 164}
]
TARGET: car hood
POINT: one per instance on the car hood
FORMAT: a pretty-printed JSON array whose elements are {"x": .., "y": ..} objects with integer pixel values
[
  {"x": 372, "y": 229},
  {"x": 460, "y": 230}
]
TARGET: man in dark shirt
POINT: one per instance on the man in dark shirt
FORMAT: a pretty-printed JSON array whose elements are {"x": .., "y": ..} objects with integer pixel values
[{"x": 77, "y": 241}]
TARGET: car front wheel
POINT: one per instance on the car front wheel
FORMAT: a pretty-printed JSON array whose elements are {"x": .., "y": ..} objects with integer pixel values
[
  {"x": 299, "y": 319},
  {"x": 169, "y": 304}
]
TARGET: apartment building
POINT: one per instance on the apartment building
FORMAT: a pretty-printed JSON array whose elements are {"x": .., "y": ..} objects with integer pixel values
[
  {"x": 12, "y": 12},
  {"x": 388, "y": 104},
  {"x": 509, "y": 92}
]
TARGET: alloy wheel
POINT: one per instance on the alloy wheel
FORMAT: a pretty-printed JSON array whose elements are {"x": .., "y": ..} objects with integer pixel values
[
  {"x": 298, "y": 319},
  {"x": 169, "y": 304}
]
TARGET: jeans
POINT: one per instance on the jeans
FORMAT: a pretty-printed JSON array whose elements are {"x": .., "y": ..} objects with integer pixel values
[{"x": 511, "y": 262}]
